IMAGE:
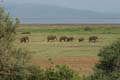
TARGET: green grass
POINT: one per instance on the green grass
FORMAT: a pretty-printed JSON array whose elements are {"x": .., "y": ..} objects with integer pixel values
[
  {"x": 70, "y": 30},
  {"x": 40, "y": 47}
]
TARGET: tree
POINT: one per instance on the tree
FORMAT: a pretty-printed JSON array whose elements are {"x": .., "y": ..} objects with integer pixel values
[
  {"x": 109, "y": 67},
  {"x": 13, "y": 60}
]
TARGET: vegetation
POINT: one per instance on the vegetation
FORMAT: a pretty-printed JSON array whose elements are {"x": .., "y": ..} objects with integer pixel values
[
  {"x": 14, "y": 61},
  {"x": 109, "y": 66},
  {"x": 67, "y": 53},
  {"x": 59, "y": 72},
  {"x": 38, "y": 40},
  {"x": 74, "y": 30}
]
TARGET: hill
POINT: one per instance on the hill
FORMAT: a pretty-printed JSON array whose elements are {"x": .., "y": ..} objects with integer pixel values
[{"x": 39, "y": 13}]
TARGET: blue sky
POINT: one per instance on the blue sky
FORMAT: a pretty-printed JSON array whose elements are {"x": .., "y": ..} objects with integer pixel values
[{"x": 95, "y": 5}]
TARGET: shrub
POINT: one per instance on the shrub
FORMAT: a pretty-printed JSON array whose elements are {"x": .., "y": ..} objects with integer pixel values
[
  {"x": 87, "y": 29},
  {"x": 59, "y": 72},
  {"x": 109, "y": 67}
]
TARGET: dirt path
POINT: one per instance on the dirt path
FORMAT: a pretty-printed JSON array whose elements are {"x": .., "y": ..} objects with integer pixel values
[{"x": 82, "y": 65}]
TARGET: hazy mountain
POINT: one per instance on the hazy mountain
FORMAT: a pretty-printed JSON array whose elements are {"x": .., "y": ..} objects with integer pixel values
[{"x": 32, "y": 13}]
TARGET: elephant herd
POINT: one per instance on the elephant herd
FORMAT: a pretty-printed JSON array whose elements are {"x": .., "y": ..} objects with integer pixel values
[
  {"x": 70, "y": 39},
  {"x": 62, "y": 38},
  {"x": 53, "y": 38}
]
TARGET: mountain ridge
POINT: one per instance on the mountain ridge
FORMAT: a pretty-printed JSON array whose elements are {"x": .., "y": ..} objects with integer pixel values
[
  {"x": 32, "y": 13},
  {"x": 42, "y": 10}
]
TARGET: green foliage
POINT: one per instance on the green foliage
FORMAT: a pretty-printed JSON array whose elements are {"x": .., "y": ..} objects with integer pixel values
[
  {"x": 108, "y": 57},
  {"x": 36, "y": 73},
  {"x": 13, "y": 60},
  {"x": 109, "y": 67},
  {"x": 59, "y": 72}
]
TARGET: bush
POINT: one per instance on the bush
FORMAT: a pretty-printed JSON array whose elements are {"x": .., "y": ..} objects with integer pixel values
[
  {"x": 87, "y": 29},
  {"x": 109, "y": 67},
  {"x": 36, "y": 73},
  {"x": 59, "y": 72}
]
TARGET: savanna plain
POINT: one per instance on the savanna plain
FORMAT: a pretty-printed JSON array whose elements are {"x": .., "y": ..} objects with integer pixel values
[{"x": 79, "y": 56}]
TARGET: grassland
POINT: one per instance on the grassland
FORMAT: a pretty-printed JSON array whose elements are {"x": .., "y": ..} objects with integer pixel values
[{"x": 79, "y": 56}]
